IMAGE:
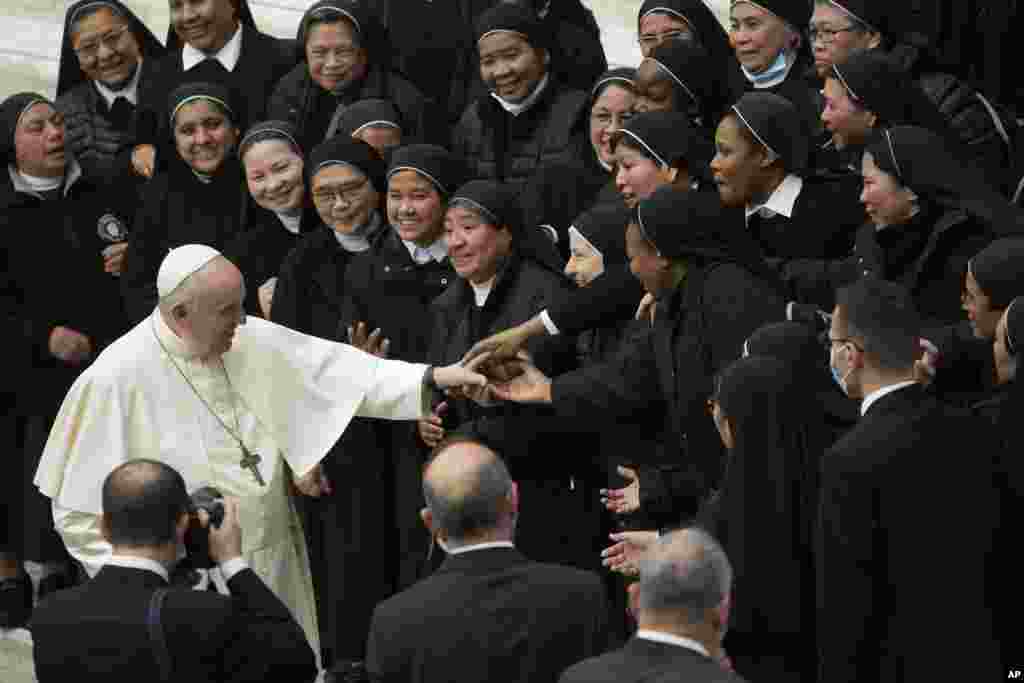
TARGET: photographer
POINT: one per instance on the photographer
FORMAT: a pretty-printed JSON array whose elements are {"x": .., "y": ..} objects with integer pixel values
[{"x": 127, "y": 624}]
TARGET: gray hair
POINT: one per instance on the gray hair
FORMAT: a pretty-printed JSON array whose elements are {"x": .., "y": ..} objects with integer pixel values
[
  {"x": 685, "y": 571},
  {"x": 474, "y": 504}
]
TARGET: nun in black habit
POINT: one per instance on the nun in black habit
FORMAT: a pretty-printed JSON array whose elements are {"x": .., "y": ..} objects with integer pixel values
[
  {"x": 375, "y": 122},
  {"x": 200, "y": 199},
  {"x": 764, "y": 515},
  {"x": 281, "y": 211},
  {"x": 316, "y": 92},
  {"x": 98, "y": 84},
  {"x": 928, "y": 215},
  {"x": 351, "y": 534},
  {"x": 529, "y": 118},
  {"x": 561, "y": 190},
  {"x": 761, "y": 165},
  {"x": 61, "y": 297}
]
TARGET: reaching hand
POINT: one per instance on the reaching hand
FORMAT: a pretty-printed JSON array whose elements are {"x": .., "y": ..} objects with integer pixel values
[
  {"x": 70, "y": 346},
  {"x": 226, "y": 539},
  {"x": 526, "y": 385},
  {"x": 372, "y": 343},
  {"x": 143, "y": 158},
  {"x": 624, "y": 556},
  {"x": 506, "y": 344},
  {"x": 626, "y": 500},
  {"x": 314, "y": 483},
  {"x": 461, "y": 376},
  {"x": 430, "y": 429},
  {"x": 113, "y": 258},
  {"x": 647, "y": 308}
]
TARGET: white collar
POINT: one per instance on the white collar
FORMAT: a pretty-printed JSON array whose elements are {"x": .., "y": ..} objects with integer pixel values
[
  {"x": 131, "y": 562},
  {"x": 871, "y": 398},
  {"x": 517, "y": 108},
  {"x": 290, "y": 222},
  {"x": 671, "y": 639},
  {"x": 483, "y": 290},
  {"x": 359, "y": 239},
  {"x": 130, "y": 92},
  {"x": 227, "y": 55},
  {"x": 22, "y": 184},
  {"x": 436, "y": 251},
  {"x": 781, "y": 201},
  {"x": 479, "y": 546},
  {"x": 167, "y": 338}
]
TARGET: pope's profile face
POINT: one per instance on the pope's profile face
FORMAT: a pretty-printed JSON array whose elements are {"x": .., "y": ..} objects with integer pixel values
[{"x": 216, "y": 313}]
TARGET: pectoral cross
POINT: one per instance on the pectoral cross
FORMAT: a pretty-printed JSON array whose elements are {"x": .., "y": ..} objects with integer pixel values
[{"x": 249, "y": 462}]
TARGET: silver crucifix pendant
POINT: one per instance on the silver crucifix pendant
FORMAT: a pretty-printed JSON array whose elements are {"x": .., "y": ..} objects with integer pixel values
[{"x": 249, "y": 462}]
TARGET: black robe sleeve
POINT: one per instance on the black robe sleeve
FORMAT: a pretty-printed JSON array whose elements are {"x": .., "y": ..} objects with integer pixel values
[
  {"x": 147, "y": 245},
  {"x": 613, "y": 296}
]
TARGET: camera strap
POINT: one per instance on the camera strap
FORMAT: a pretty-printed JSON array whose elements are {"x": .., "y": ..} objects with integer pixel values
[{"x": 156, "y": 635}]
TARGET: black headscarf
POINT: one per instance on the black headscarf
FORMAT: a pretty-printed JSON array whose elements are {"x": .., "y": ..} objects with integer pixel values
[
  {"x": 11, "y": 110},
  {"x": 623, "y": 76},
  {"x": 880, "y": 85},
  {"x": 207, "y": 81},
  {"x": 695, "y": 225},
  {"x": 666, "y": 136},
  {"x": 366, "y": 113},
  {"x": 604, "y": 226},
  {"x": 372, "y": 34},
  {"x": 999, "y": 271},
  {"x": 342, "y": 150},
  {"x": 271, "y": 130},
  {"x": 444, "y": 170},
  {"x": 921, "y": 160},
  {"x": 498, "y": 204},
  {"x": 704, "y": 82},
  {"x": 796, "y": 13},
  {"x": 800, "y": 346},
  {"x": 767, "y": 504},
  {"x": 775, "y": 123},
  {"x": 245, "y": 18},
  {"x": 706, "y": 27},
  {"x": 875, "y": 14},
  {"x": 513, "y": 18},
  {"x": 69, "y": 73}
]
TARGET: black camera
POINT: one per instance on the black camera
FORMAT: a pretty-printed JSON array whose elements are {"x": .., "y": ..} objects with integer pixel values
[{"x": 197, "y": 538}]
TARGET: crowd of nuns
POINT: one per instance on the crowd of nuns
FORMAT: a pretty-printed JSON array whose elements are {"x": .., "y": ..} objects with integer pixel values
[{"x": 415, "y": 178}]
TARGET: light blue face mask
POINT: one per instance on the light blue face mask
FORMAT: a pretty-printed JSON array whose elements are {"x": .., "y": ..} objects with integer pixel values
[{"x": 771, "y": 75}]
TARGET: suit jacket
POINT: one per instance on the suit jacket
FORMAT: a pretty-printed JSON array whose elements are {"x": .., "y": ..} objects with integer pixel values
[
  {"x": 905, "y": 524},
  {"x": 98, "y": 632},
  {"x": 645, "y": 660},
  {"x": 488, "y": 615}
]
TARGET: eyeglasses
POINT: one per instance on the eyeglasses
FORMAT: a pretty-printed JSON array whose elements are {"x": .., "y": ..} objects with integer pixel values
[
  {"x": 827, "y": 35},
  {"x": 829, "y": 342},
  {"x": 653, "y": 40},
  {"x": 112, "y": 39},
  {"x": 349, "y": 193}
]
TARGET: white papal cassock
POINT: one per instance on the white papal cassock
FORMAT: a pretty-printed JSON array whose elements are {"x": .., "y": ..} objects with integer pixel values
[{"x": 293, "y": 396}]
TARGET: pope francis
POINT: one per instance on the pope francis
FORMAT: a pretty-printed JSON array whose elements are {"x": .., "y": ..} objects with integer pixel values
[{"x": 239, "y": 405}]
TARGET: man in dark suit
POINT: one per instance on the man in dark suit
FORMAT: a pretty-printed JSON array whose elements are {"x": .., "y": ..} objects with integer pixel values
[
  {"x": 683, "y": 596},
  {"x": 906, "y": 515},
  {"x": 104, "y": 630},
  {"x": 488, "y": 613}
]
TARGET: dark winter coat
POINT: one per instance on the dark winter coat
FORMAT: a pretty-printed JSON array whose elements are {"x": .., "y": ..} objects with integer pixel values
[{"x": 499, "y": 146}]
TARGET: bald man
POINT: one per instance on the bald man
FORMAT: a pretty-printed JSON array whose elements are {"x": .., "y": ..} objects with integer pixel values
[
  {"x": 248, "y": 407},
  {"x": 488, "y": 613},
  {"x": 99, "y": 631}
]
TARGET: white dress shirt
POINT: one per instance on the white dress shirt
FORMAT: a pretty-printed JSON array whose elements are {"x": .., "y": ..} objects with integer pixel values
[
  {"x": 480, "y": 546},
  {"x": 227, "y": 55},
  {"x": 871, "y": 398},
  {"x": 671, "y": 639},
  {"x": 435, "y": 252},
  {"x": 781, "y": 201},
  {"x": 515, "y": 108},
  {"x": 482, "y": 291}
]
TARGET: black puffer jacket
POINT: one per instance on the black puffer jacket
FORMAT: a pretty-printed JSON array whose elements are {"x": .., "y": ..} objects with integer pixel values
[
  {"x": 300, "y": 101},
  {"x": 499, "y": 146}
]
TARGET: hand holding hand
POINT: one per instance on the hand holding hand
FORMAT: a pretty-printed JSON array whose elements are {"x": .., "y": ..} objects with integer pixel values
[
  {"x": 143, "y": 160},
  {"x": 371, "y": 343},
  {"x": 70, "y": 346},
  {"x": 430, "y": 429},
  {"x": 113, "y": 258},
  {"x": 624, "y": 556},
  {"x": 505, "y": 344},
  {"x": 526, "y": 384},
  {"x": 314, "y": 483},
  {"x": 225, "y": 540},
  {"x": 627, "y": 499}
]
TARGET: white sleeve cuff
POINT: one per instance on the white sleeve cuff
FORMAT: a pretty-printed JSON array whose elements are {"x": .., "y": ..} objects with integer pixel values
[
  {"x": 549, "y": 325},
  {"x": 232, "y": 567}
]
